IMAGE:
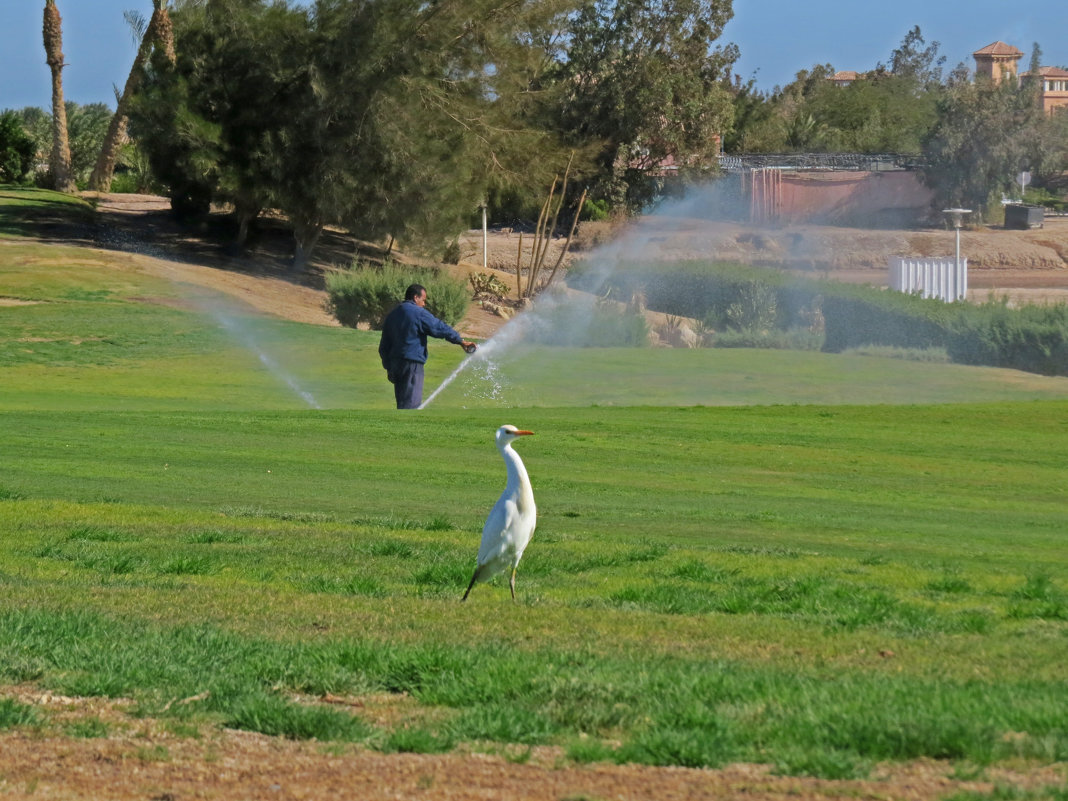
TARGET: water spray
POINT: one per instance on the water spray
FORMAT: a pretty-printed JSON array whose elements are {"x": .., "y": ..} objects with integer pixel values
[
  {"x": 710, "y": 221},
  {"x": 248, "y": 341},
  {"x": 471, "y": 349},
  {"x": 525, "y": 327},
  {"x": 229, "y": 319}
]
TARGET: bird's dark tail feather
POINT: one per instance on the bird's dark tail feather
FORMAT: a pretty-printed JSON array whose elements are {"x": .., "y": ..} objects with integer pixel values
[{"x": 474, "y": 578}]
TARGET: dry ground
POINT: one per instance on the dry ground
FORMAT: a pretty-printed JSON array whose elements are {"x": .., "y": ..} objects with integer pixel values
[
  {"x": 1025, "y": 266},
  {"x": 141, "y": 759},
  {"x": 145, "y": 759}
]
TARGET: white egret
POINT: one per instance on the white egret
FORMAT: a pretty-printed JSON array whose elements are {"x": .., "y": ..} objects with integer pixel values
[{"x": 510, "y": 524}]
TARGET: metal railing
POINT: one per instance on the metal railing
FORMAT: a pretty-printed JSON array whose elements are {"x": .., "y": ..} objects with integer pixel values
[{"x": 819, "y": 161}]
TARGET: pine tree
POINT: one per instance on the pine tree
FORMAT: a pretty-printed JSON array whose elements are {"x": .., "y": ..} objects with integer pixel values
[{"x": 647, "y": 79}]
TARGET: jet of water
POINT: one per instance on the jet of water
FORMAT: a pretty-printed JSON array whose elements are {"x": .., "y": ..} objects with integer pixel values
[
  {"x": 245, "y": 336},
  {"x": 700, "y": 224},
  {"x": 484, "y": 354}
]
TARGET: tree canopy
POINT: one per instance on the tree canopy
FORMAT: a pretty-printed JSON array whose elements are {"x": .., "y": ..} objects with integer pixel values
[
  {"x": 987, "y": 133},
  {"x": 399, "y": 117},
  {"x": 17, "y": 149},
  {"x": 647, "y": 81},
  {"x": 389, "y": 117},
  {"x": 888, "y": 109}
]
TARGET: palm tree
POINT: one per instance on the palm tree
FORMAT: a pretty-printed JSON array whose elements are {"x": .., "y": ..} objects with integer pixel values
[
  {"x": 159, "y": 32},
  {"x": 53, "y": 44}
]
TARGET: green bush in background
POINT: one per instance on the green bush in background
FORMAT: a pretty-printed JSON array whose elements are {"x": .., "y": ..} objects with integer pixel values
[
  {"x": 17, "y": 149},
  {"x": 855, "y": 316},
  {"x": 365, "y": 294},
  {"x": 741, "y": 306},
  {"x": 1032, "y": 338}
]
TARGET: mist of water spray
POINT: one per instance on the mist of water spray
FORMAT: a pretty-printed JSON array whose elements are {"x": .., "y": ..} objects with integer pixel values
[
  {"x": 246, "y": 337},
  {"x": 481, "y": 361},
  {"x": 708, "y": 223},
  {"x": 563, "y": 312},
  {"x": 563, "y": 317},
  {"x": 230, "y": 320}
]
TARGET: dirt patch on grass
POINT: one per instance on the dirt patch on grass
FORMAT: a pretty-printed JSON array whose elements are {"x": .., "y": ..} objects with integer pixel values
[{"x": 121, "y": 757}]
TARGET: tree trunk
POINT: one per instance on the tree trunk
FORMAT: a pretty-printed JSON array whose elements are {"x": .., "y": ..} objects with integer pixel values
[
  {"x": 245, "y": 213},
  {"x": 53, "y": 44},
  {"x": 306, "y": 237},
  {"x": 159, "y": 31}
]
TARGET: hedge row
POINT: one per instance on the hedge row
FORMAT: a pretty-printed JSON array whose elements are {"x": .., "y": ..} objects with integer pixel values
[
  {"x": 731, "y": 296},
  {"x": 1032, "y": 338}
]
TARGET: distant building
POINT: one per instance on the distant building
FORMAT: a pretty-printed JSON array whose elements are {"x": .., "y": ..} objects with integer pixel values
[
  {"x": 1054, "y": 87},
  {"x": 998, "y": 60},
  {"x": 845, "y": 77}
]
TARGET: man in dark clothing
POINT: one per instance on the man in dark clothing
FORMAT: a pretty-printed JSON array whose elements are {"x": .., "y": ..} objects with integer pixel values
[{"x": 403, "y": 345}]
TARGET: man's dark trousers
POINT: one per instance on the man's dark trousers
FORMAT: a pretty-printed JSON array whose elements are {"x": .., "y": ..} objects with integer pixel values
[{"x": 407, "y": 378}]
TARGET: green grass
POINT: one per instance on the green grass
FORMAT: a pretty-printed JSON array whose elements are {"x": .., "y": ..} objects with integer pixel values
[
  {"x": 817, "y": 587},
  {"x": 42, "y": 212}
]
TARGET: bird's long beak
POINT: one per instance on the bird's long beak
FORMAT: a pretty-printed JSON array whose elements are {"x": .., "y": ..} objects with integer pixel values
[{"x": 523, "y": 433}]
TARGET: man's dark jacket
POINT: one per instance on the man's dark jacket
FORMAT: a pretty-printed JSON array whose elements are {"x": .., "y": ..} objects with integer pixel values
[{"x": 404, "y": 334}]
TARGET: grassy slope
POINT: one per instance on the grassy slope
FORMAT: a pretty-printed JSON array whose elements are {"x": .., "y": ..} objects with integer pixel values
[{"x": 819, "y": 587}]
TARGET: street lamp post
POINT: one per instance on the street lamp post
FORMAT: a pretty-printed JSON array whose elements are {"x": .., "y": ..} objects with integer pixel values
[
  {"x": 956, "y": 215},
  {"x": 485, "y": 237}
]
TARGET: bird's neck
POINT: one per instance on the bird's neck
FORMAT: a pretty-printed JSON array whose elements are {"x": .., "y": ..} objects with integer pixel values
[{"x": 517, "y": 474}]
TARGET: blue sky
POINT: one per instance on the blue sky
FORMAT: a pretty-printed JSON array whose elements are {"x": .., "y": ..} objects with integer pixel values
[{"x": 777, "y": 38}]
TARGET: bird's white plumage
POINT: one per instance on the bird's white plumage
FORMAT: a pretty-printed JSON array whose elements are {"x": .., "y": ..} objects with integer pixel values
[{"x": 511, "y": 522}]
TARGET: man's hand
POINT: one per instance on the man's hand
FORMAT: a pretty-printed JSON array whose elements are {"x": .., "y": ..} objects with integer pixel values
[{"x": 470, "y": 347}]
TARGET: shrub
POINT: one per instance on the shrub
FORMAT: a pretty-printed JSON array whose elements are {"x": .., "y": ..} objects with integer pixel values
[
  {"x": 754, "y": 309},
  {"x": 486, "y": 285},
  {"x": 17, "y": 149},
  {"x": 719, "y": 294},
  {"x": 857, "y": 316},
  {"x": 740, "y": 306},
  {"x": 1038, "y": 196},
  {"x": 1032, "y": 338},
  {"x": 595, "y": 210},
  {"x": 366, "y": 294}
]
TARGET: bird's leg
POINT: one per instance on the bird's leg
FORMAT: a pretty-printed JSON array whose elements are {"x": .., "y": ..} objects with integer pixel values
[{"x": 511, "y": 584}]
